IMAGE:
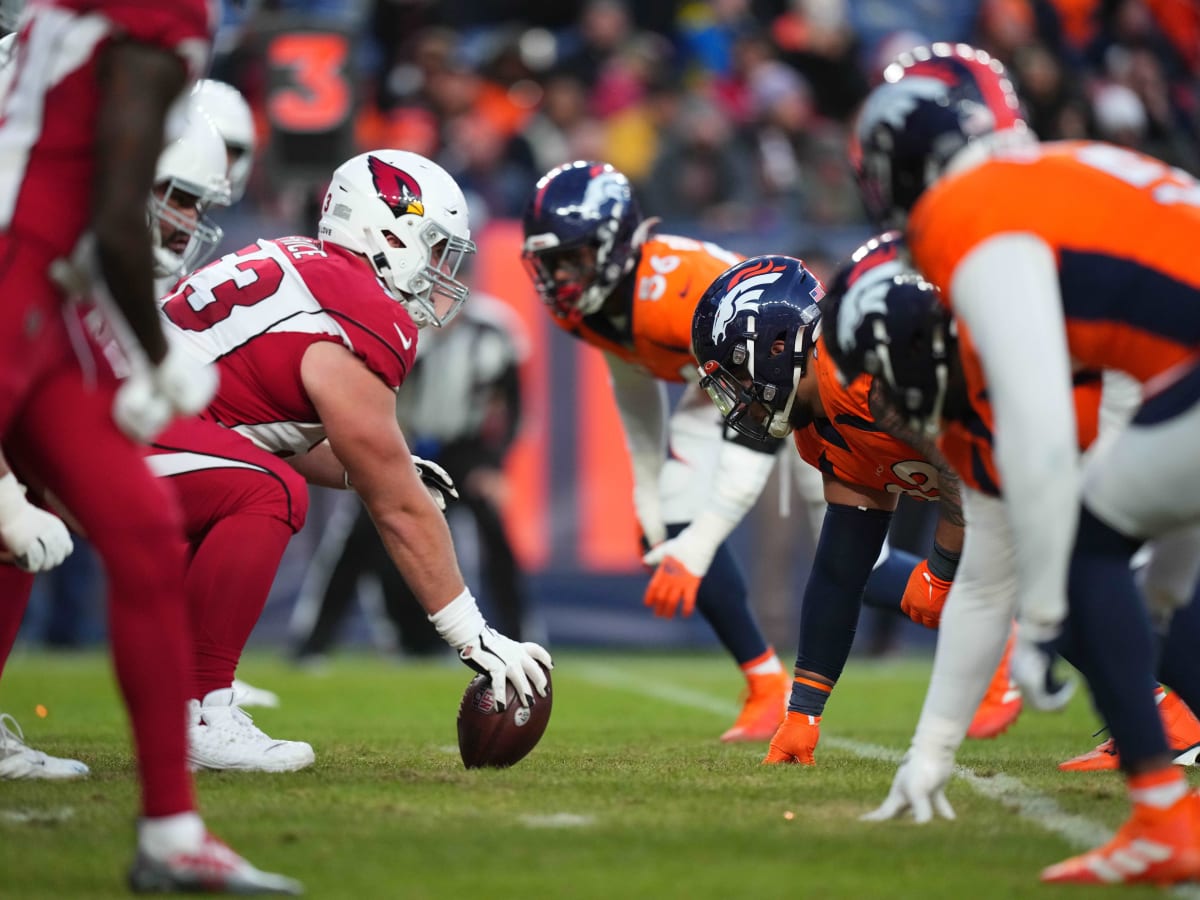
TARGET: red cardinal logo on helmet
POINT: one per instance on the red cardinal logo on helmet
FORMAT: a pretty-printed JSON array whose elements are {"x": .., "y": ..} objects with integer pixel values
[{"x": 396, "y": 188}]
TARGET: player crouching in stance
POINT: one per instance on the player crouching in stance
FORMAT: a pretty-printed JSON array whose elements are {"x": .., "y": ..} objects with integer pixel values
[
  {"x": 312, "y": 338},
  {"x": 756, "y": 334},
  {"x": 609, "y": 281},
  {"x": 1078, "y": 263}
]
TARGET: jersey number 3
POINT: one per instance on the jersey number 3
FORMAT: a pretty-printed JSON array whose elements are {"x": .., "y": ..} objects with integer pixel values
[{"x": 265, "y": 276}]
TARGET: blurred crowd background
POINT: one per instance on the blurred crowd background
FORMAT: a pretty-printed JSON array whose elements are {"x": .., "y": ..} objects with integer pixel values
[{"x": 731, "y": 119}]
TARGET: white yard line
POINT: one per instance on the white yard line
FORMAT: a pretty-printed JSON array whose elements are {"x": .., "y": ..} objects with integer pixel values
[{"x": 1031, "y": 805}]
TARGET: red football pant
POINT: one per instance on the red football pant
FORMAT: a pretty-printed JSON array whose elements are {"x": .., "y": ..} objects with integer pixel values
[
  {"x": 65, "y": 442},
  {"x": 57, "y": 429},
  {"x": 241, "y": 506}
]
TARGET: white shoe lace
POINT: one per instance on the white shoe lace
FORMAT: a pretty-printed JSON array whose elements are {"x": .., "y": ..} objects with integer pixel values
[{"x": 12, "y": 740}]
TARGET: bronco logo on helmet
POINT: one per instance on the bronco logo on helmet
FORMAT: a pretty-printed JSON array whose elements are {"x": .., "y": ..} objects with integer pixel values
[{"x": 396, "y": 188}]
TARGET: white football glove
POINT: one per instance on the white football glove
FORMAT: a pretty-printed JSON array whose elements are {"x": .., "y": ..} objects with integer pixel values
[
  {"x": 1031, "y": 664},
  {"x": 919, "y": 787},
  {"x": 437, "y": 481},
  {"x": 38, "y": 540},
  {"x": 148, "y": 400},
  {"x": 490, "y": 653}
]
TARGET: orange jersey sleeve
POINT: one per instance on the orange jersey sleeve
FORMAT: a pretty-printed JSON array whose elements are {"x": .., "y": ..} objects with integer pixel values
[
  {"x": 1123, "y": 228},
  {"x": 849, "y": 445},
  {"x": 672, "y": 275}
]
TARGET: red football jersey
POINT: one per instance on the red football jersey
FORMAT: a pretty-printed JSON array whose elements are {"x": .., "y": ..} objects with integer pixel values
[
  {"x": 48, "y": 128},
  {"x": 254, "y": 312}
]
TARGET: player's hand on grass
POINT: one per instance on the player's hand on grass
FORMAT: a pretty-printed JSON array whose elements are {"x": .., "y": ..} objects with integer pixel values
[
  {"x": 919, "y": 788},
  {"x": 38, "y": 540}
]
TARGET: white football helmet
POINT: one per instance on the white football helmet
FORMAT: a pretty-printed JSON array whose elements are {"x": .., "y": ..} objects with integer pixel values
[
  {"x": 231, "y": 114},
  {"x": 10, "y": 14},
  {"x": 190, "y": 177},
  {"x": 409, "y": 218}
]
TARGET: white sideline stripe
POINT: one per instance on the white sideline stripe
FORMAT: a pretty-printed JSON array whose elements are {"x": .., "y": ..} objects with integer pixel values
[{"x": 1031, "y": 805}]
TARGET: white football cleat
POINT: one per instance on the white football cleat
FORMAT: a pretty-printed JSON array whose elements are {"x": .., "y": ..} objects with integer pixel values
[
  {"x": 19, "y": 761},
  {"x": 212, "y": 868},
  {"x": 248, "y": 695},
  {"x": 222, "y": 736}
]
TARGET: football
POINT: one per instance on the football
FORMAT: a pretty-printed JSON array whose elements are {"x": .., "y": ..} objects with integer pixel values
[{"x": 488, "y": 738}]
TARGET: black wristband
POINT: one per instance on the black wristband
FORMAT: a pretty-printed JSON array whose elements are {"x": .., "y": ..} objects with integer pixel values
[{"x": 942, "y": 562}]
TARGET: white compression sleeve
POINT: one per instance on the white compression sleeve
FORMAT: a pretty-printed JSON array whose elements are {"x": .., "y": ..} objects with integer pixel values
[
  {"x": 975, "y": 625},
  {"x": 1006, "y": 293},
  {"x": 642, "y": 405}
]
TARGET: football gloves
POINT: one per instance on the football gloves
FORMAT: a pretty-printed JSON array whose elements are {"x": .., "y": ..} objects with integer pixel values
[
  {"x": 490, "y": 653},
  {"x": 673, "y": 586},
  {"x": 1032, "y": 668},
  {"x": 682, "y": 562},
  {"x": 919, "y": 788},
  {"x": 148, "y": 400},
  {"x": 38, "y": 540},
  {"x": 503, "y": 660},
  {"x": 924, "y": 596},
  {"x": 437, "y": 481}
]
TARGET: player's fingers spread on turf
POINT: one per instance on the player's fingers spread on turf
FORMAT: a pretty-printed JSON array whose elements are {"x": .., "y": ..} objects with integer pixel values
[
  {"x": 945, "y": 810},
  {"x": 921, "y": 809},
  {"x": 889, "y": 809}
]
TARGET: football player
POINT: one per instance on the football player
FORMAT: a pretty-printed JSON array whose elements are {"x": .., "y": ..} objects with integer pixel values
[
  {"x": 34, "y": 541},
  {"x": 312, "y": 337},
  {"x": 762, "y": 358},
  {"x": 1039, "y": 261},
  {"x": 82, "y": 128},
  {"x": 230, "y": 114},
  {"x": 608, "y": 280}
]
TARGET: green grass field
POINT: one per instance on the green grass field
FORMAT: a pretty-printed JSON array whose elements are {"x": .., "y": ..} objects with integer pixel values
[{"x": 629, "y": 793}]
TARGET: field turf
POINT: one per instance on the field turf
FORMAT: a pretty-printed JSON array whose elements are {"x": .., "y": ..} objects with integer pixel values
[{"x": 629, "y": 794}]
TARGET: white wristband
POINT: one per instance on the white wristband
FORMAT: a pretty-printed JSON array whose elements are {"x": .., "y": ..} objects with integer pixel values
[
  {"x": 459, "y": 622},
  {"x": 12, "y": 498}
]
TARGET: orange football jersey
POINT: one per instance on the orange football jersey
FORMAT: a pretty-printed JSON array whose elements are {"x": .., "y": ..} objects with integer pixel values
[
  {"x": 672, "y": 274},
  {"x": 1124, "y": 229},
  {"x": 848, "y": 444}
]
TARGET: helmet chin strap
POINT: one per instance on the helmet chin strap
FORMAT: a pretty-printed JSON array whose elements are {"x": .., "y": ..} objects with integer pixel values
[{"x": 781, "y": 424}]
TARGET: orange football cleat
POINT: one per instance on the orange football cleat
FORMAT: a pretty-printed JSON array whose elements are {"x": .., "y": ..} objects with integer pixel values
[
  {"x": 766, "y": 702},
  {"x": 1000, "y": 705},
  {"x": 1160, "y": 846},
  {"x": 1183, "y": 737},
  {"x": 795, "y": 740}
]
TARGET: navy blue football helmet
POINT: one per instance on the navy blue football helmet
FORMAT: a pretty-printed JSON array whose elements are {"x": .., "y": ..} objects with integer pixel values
[
  {"x": 580, "y": 236},
  {"x": 751, "y": 335},
  {"x": 883, "y": 318},
  {"x": 933, "y": 102}
]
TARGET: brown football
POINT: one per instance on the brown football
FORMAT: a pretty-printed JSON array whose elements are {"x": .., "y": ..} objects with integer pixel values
[{"x": 487, "y": 738}]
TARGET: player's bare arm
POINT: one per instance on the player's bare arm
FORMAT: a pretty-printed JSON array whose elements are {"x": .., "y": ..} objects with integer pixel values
[
  {"x": 320, "y": 466},
  {"x": 359, "y": 414},
  {"x": 139, "y": 83}
]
